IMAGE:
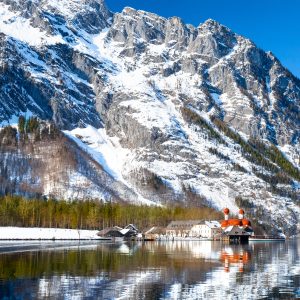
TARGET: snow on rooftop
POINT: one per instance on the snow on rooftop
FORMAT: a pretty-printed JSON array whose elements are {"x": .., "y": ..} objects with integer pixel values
[
  {"x": 213, "y": 224},
  {"x": 124, "y": 231}
]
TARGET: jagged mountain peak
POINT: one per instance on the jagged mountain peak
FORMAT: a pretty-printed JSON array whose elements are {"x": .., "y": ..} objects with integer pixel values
[
  {"x": 130, "y": 11},
  {"x": 212, "y": 24},
  {"x": 177, "y": 20},
  {"x": 218, "y": 30},
  {"x": 88, "y": 15},
  {"x": 214, "y": 27}
]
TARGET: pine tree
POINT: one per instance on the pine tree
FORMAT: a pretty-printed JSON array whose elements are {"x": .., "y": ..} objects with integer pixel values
[{"x": 21, "y": 124}]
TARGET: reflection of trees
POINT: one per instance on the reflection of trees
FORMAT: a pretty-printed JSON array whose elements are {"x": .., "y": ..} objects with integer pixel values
[
  {"x": 86, "y": 262},
  {"x": 196, "y": 266},
  {"x": 174, "y": 255}
]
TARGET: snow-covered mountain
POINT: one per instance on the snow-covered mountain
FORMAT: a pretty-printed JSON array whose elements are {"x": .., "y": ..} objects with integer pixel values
[{"x": 172, "y": 112}]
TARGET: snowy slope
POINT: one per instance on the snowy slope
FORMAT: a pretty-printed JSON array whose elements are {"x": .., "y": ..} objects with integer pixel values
[{"x": 18, "y": 27}]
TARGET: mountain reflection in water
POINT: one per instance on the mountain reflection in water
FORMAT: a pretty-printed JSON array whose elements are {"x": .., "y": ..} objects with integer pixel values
[{"x": 152, "y": 270}]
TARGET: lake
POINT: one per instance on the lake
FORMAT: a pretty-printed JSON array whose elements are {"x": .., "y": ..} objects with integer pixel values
[{"x": 151, "y": 270}]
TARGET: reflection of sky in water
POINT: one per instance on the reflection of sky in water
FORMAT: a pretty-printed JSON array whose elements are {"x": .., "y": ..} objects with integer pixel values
[
  {"x": 167, "y": 270},
  {"x": 249, "y": 272}
]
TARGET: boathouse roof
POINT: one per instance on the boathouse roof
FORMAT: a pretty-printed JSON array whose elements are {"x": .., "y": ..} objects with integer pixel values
[{"x": 174, "y": 225}]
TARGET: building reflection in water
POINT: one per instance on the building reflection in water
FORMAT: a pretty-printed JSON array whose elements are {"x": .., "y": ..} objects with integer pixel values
[
  {"x": 230, "y": 255},
  {"x": 235, "y": 257}
]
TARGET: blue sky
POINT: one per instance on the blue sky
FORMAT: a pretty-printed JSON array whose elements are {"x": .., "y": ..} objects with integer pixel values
[{"x": 272, "y": 24}]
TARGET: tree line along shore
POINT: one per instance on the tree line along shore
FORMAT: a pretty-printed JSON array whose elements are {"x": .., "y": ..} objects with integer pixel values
[{"x": 92, "y": 214}]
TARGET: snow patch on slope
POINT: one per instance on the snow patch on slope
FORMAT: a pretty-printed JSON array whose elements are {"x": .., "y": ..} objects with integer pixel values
[
  {"x": 290, "y": 154},
  {"x": 14, "y": 25},
  {"x": 104, "y": 149},
  {"x": 108, "y": 152}
]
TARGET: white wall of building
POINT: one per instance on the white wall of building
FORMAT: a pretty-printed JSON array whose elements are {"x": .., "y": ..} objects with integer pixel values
[
  {"x": 206, "y": 230},
  {"x": 203, "y": 230}
]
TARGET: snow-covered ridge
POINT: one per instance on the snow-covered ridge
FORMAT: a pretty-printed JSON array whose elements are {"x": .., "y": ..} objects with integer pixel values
[{"x": 69, "y": 8}]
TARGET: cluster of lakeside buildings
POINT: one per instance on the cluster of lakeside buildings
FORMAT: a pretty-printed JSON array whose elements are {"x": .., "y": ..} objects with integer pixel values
[
  {"x": 232, "y": 230},
  {"x": 237, "y": 230}
]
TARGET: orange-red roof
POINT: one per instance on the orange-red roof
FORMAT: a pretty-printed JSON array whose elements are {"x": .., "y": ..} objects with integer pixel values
[
  {"x": 224, "y": 223},
  {"x": 246, "y": 222},
  {"x": 226, "y": 211},
  {"x": 235, "y": 222}
]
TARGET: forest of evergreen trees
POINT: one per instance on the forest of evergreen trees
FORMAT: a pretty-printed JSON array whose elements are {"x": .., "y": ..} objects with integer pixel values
[{"x": 92, "y": 214}]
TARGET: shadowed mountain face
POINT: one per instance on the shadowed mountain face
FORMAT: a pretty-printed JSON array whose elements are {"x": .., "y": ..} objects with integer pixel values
[{"x": 173, "y": 112}]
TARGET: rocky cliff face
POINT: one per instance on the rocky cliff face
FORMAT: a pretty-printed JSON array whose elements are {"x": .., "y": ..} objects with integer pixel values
[{"x": 172, "y": 111}]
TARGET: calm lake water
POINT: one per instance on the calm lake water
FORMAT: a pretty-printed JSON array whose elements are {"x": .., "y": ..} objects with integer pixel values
[{"x": 152, "y": 270}]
